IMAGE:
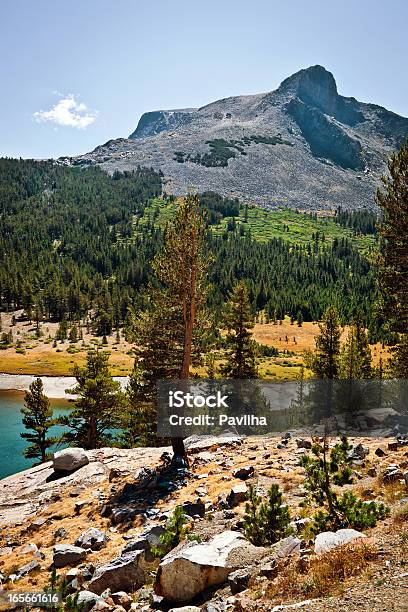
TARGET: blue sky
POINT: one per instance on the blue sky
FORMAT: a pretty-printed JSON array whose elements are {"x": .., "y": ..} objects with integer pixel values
[{"x": 75, "y": 74}]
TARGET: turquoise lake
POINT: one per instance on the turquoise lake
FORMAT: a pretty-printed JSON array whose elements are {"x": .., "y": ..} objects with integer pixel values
[{"x": 12, "y": 444}]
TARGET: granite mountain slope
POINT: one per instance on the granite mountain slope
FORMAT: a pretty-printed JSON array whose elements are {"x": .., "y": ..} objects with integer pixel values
[{"x": 302, "y": 145}]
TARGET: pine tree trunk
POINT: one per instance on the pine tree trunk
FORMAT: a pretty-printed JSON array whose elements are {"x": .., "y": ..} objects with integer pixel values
[
  {"x": 43, "y": 450},
  {"x": 189, "y": 317},
  {"x": 179, "y": 450},
  {"x": 188, "y": 339},
  {"x": 92, "y": 433}
]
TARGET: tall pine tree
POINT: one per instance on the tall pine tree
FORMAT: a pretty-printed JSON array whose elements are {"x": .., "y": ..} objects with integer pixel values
[
  {"x": 355, "y": 355},
  {"x": 238, "y": 320},
  {"x": 325, "y": 361},
  {"x": 168, "y": 333},
  {"x": 393, "y": 199}
]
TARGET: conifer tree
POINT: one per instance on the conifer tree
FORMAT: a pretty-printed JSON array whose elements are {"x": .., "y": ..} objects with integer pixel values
[
  {"x": 211, "y": 366},
  {"x": 97, "y": 409},
  {"x": 328, "y": 467},
  {"x": 168, "y": 333},
  {"x": 73, "y": 334},
  {"x": 176, "y": 529},
  {"x": 38, "y": 316},
  {"x": 238, "y": 320},
  {"x": 355, "y": 354},
  {"x": 266, "y": 520},
  {"x": 325, "y": 361},
  {"x": 62, "y": 330},
  {"x": 37, "y": 418},
  {"x": 139, "y": 419},
  {"x": 363, "y": 349},
  {"x": 355, "y": 365},
  {"x": 181, "y": 267},
  {"x": 393, "y": 199}
]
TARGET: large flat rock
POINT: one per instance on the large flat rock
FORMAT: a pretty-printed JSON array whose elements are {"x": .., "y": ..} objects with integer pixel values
[
  {"x": 190, "y": 568},
  {"x": 23, "y": 494},
  {"x": 124, "y": 573}
]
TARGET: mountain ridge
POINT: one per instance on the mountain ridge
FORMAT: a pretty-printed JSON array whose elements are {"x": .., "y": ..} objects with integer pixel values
[{"x": 302, "y": 145}]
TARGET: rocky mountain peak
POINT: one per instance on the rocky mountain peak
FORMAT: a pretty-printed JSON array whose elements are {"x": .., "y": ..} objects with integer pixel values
[
  {"x": 315, "y": 86},
  {"x": 303, "y": 145}
]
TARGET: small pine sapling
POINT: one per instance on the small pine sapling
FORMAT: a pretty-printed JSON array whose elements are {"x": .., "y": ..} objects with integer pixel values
[
  {"x": 176, "y": 530},
  {"x": 266, "y": 520},
  {"x": 324, "y": 470}
]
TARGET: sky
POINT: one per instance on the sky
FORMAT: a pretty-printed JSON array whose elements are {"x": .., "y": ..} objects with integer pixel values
[{"x": 76, "y": 74}]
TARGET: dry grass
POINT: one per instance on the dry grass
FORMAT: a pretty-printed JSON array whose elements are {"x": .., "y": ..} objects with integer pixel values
[
  {"x": 401, "y": 515},
  {"x": 44, "y": 360},
  {"x": 323, "y": 575},
  {"x": 391, "y": 491},
  {"x": 299, "y": 339},
  {"x": 41, "y": 358}
]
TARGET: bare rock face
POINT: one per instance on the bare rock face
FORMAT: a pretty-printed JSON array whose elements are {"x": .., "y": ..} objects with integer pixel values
[
  {"x": 125, "y": 573},
  {"x": 24, "y": 494},
  {"x": 92, "y": 539},
  {"x": 239, "y": 580},
  {"x": 326, "y": 139},
  {"x": 65, "y": 554},
  {"x": 121, "y": 598},
  {"x": 154, "y": 122},
  {"x": 87, "y": 600},
  {"x": 392, "y": 473},
  {"x": 196, "y": 444},
  {"x": 194, "y": 508},
  {"x": 358, "y": 452},
  {"x": 287, "y": 547},
  {"x": 146, "y": 541},
  {"x": 190, "y": 568},
  {"x": 69, "y": 459},
  {"x": 331, "y": 539},
  {"x": 32, "y": 566},
  {"x": 237, "y": 495},
  {"x": 245, "y": 472}
]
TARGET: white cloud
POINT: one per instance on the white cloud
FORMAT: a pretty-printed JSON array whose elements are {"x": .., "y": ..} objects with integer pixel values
[{"x": 67, "y": 112}]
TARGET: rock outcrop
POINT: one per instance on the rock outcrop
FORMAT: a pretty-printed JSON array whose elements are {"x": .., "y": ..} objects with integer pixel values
[
  {"x": 190, "y": 568},
  {"x": 69, "y": 459},
  {"x": 125, "y": 573},
  {"x": 332, "y": 539},
  {"x": 86, "y": 600},
  {"x": 237, "y": 495},
  {"x": 92, "y": 539},
  {"x": 110, "y": 566},
  {"x": 146, "y": 541},
  {"x": 65, "y": 554}
]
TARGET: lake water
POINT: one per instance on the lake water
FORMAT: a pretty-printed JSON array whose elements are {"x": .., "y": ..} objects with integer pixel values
[
  {"x": 12, "y": 444},
  {"x": 12, "y": 387}
]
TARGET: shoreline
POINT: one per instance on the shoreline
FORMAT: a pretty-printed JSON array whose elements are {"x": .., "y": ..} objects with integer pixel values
[{"x": 55, "y": 387}]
